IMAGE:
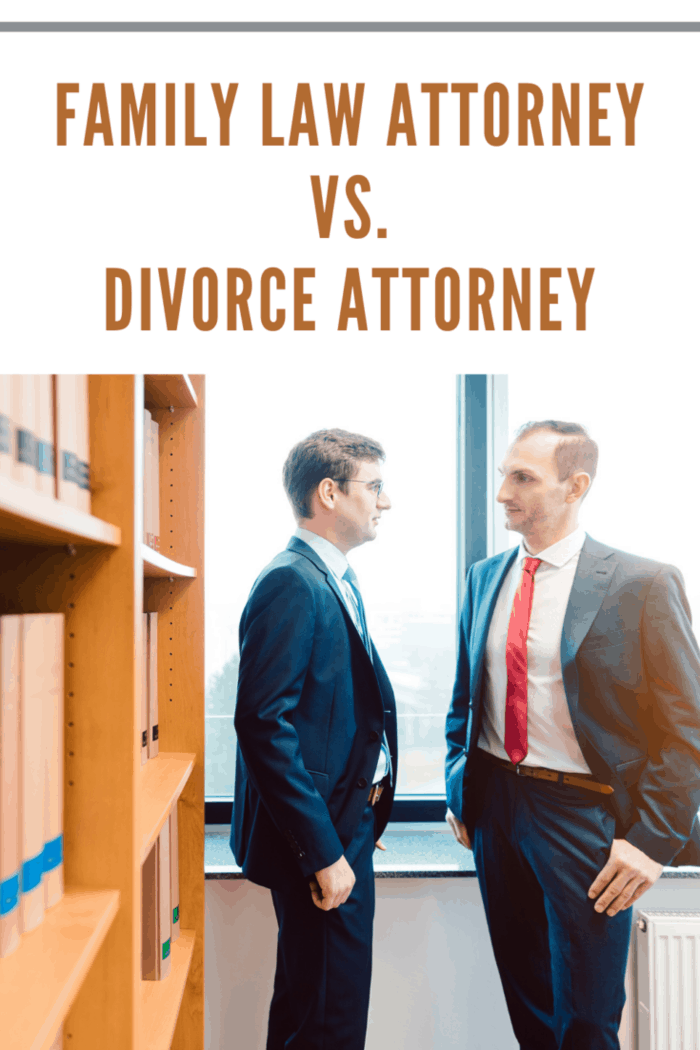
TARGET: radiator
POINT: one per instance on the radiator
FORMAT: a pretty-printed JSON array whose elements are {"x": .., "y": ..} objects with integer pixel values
[{"x": 668, "y": 980}]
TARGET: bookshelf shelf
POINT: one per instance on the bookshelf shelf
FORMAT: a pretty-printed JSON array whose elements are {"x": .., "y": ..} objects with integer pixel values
[
  {"x": 157, "y": 565},
  {"x": 164, "y": 391},
  {"x": 160, "y": 1000},
  {"x": 163, "y": 779},
  {"x": 39, "y": 981},
  {"x": 30, "y": 517}
]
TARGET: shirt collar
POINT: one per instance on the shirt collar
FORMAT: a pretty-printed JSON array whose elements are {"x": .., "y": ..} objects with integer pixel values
[
  {"x": 328, "y": 552},
  {"x": 560, "y": 552}
]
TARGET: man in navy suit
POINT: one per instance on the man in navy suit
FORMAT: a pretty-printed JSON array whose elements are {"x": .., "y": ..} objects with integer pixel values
[
  {"x": 317, "y": 754},
  {"x": 573, "y": 766}
]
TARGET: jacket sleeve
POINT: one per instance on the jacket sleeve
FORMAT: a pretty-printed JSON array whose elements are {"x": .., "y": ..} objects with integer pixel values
[
  {"x": 667, "y": 793},
  {"x": 459, "y": 711},
  {"x": 277, "y": 639}
]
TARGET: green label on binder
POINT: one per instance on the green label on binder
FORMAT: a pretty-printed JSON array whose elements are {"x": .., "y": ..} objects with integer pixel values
[
  {"x": 166, "y": 949},
  {"x": 176, "y": 913}
]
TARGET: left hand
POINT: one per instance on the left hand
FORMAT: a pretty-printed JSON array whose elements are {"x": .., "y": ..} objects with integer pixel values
[
  {"x": 380, "y": 845},
  {"x": 627, "y": 875}
]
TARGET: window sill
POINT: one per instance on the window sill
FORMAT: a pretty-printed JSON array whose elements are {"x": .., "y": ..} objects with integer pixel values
[{"x": 413, "y": 851}]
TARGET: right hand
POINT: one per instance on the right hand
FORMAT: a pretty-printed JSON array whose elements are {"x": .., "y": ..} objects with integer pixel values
[
  {"x": 458, "y": 829},
  {"x": 331, "y": 886}
]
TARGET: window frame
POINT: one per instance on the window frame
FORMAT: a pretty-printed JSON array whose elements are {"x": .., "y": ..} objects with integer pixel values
[{"x": 482, "y": 439}]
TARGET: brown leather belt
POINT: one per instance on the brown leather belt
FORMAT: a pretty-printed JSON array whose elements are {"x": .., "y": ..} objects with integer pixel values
[
  {"x": 375, "y": 793},
  {"x": 579, "y": 780}
]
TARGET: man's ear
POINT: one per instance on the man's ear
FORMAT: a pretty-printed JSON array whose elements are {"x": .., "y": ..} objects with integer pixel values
[
  {"x": 579, "y": 484},
  {"x": 325, "y": 493}
]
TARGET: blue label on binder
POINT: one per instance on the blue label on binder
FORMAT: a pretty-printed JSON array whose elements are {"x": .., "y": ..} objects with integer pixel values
[
  {"x": 44, "y": 458},
  {"x": 75, "y": 470},
  {"x": 83, "y": 478},
  {"x": 53, "y": 853},
  {"x": 26, "y": 448},
  {"x": 5, "y": 434},
  {"x": 32, "y": 870},
  {"x": 9, "y": 894},
  {"x": 166, "y": 949}
]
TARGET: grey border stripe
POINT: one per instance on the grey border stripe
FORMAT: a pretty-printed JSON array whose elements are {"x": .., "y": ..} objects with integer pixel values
[{"x": 349, "y": 27}]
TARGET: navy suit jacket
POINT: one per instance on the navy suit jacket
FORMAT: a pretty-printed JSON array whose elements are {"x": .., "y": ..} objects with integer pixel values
[
  {"x": 631, "y": 671},
  {"x": 311, "y": 709}
]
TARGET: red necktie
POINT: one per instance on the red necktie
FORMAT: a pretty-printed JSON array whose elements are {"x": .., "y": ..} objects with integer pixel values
[{"x": 515, "y": 741}]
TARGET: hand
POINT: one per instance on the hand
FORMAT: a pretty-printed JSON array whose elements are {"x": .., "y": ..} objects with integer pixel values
[
  {"x": 331, "y": 886},
  {"x": 380, "y": 845},
  {"x": 627, "y": 875},
  {"x": 458, "y": 829}
]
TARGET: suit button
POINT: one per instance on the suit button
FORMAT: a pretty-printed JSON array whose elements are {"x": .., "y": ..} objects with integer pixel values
[
  {"x": 362, "y": 783},
  {"x": 374, "y": 736}
]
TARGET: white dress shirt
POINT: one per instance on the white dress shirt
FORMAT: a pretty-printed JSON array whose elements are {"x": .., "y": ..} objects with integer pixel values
[
  {"x": 551, "y": 739},
  {"x": 336, "y": 561}
]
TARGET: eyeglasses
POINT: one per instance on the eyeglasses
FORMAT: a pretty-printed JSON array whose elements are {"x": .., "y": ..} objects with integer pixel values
[{"x": 374, "y": 486}]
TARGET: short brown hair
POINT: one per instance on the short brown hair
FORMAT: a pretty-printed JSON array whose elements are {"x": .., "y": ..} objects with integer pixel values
[
  {"x": 576, "y": 450},
  {"x": 325, "y": 454}
]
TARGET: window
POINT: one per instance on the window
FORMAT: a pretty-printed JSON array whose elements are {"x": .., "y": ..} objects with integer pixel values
[
  {"x": 412, "y": 575},
  {"x": 407, "y": 576}
]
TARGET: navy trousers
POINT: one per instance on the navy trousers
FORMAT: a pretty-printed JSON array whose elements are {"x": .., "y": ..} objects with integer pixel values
[
  {"x": 537, "y": 847},
  {"x": 324, "y": 960}
]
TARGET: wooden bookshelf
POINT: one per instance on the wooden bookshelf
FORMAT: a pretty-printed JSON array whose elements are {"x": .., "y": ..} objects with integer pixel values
[
  {"x": 178, "y": 598},
  {"x": 27, "y": 516},
  {"x": 162, "y": 781},
  {"x": 161, "y": 1000},
  {"x": 39, "y": 981},
  {"x": 95, "y": 569},
  {"x": 164, "y": 391},
  {"x": 156, "y": 564}
]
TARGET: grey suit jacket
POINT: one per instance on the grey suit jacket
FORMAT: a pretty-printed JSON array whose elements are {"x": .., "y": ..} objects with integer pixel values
[{"x": 631, "y": 669}]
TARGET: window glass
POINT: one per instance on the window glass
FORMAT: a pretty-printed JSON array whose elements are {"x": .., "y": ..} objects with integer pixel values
[{"x": 407, "y": 575}]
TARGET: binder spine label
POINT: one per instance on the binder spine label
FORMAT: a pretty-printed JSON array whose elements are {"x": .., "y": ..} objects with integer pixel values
[
  {"x": 5, "y": 434},
  {"x": 53, "y": 853},
  {"x": 9, "y": 894},
  {"x": 32, "y": 870},
  {"x": 144, "y": 738},
  {"x": 155, "y": 732},
  {"x": 176, "y": 913},
  {"x": 166, "y": 948},
  {"x": 75, "y": 470},
  {"x": 26, "y": 447},
  {"x": 44, "y": 458}
]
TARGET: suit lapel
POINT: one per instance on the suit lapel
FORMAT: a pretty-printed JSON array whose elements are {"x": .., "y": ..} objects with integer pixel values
[
  {"x": 485, "y": 607},
  {"x": 299, "y": 547},
  {"x": 591, "y": 584}
]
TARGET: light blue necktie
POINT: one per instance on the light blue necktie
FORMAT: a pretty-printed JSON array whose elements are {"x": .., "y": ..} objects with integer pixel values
[{"x": 350, "y": 578}]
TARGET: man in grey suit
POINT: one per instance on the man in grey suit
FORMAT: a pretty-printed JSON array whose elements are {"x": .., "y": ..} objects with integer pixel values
[{"x": 573, "y": 766}]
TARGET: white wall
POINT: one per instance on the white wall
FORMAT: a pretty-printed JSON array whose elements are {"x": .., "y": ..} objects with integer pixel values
[{"x": 435, "y": 983}]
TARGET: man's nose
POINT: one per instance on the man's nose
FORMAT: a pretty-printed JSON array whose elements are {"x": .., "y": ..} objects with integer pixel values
[
  {"x": 502, "y": 496},
  {"x": 384, "y": 503}
]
